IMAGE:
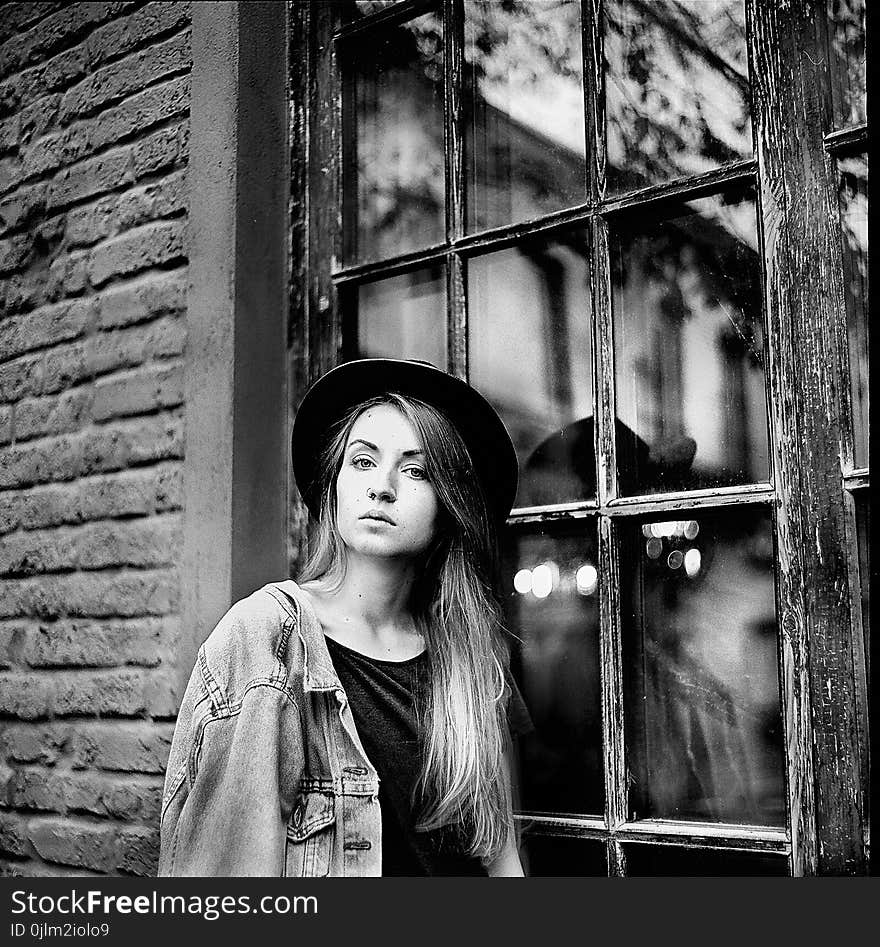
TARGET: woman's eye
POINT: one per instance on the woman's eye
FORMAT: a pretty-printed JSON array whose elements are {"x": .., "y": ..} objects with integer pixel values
[
  {"x": 417, "y": 473},
  {"x": 361, "y": 462}
]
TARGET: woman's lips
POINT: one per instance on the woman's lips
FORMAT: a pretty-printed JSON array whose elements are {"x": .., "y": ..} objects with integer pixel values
[{"x": 378, "y": 517}]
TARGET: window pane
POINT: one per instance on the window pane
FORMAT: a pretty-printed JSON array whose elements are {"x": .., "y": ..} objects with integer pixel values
[
  {"x": 550, "y": 583},
  {"x": 529, "y": 354},
  {"x": 393, "y": 140},
  {"x": 658, "y": 860},
  {"x": 689, "y": 347},
  {"x": 854, "y": 219},
  {"x": 677, "y": 88},
  {"x": 847, "y": 28},
  {"x": 401, "y": 317},
  {"x": 556, "y": 857},
  {"x": 524, "y": 148},
  {"x": 702, "y": 704}
]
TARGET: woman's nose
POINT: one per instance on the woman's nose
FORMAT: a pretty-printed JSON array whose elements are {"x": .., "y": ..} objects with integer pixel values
[{"x": 382, "y": 488}]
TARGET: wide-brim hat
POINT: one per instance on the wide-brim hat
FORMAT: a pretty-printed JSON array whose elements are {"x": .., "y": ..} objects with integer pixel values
[{"x": 335, "y": 393}]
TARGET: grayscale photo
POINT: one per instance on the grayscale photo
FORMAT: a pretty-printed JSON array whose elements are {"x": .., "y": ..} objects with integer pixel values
[{"x": 434, "y": 442}]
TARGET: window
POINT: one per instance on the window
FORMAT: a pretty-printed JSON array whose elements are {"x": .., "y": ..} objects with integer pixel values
[{"x": 563, "y": 202}]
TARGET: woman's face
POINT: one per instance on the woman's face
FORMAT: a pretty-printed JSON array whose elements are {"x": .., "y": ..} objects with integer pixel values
[{"x": 385, "y": 505}]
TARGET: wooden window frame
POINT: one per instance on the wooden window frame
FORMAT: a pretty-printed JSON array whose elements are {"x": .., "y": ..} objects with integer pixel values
[{"x": 809, "y": 493}]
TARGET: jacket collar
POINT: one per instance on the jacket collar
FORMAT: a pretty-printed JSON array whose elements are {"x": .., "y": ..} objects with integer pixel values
[{"x": 319, "y": 674}]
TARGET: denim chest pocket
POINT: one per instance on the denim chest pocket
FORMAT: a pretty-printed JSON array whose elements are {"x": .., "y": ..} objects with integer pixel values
[{"x": 310, "y": 835}]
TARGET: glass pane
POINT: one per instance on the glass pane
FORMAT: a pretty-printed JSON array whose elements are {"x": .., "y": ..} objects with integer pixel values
[
  {"x": 529, "y": 354},
  {"x": 401, "y": 317},
  {"x": 689, "y": 347},
  {"x": 854, "y": 219},
  {"x": 552, "y": 856},
  {"x": 393, "y": 140},
  {"x": 677, "y": 88},
  {"x": 659, "y": 860},
  {"x": 550, "y": 583},
  {"x": 848, "y": 75},
  {"x": 701, "y": 685},
  {"x": 524, "y": 147}
]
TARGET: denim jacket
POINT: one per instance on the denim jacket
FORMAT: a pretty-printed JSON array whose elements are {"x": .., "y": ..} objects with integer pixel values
[{"x": 267, "y": 774}]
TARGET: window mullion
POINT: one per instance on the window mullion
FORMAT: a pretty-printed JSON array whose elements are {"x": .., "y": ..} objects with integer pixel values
[
  {"x": 804, "y": 299},
  {"x": 453, "y": 72}
]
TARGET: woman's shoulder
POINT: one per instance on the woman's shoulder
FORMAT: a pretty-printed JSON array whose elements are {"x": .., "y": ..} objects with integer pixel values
[{"x": 255, "y": 640}]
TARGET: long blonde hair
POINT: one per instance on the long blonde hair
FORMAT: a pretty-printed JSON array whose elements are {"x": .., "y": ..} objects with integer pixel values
[{"x": 461, "y": 782}]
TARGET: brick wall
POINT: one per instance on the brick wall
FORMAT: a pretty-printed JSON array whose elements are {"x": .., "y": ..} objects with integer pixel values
[{"x": 93, "y": 152}]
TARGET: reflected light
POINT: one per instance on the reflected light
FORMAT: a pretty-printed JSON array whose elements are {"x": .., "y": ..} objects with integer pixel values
[
  {"x": 692, "y": 527},
  {"x": 542, "y": 580},
  {"x": 587, "y": 579},
  {"x": 692, "y": 561},
  {"x": 522, "y": 581},
  {"x": 669, "y": 528},
  {"x": 675, "y": 559},
  {"x": 653, "y": 547}
]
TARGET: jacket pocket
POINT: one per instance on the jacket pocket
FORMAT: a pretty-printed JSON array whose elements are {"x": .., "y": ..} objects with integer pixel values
[{"x": 310, "y": 836}]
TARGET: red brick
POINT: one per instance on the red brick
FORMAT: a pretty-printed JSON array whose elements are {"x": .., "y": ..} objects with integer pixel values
[
  {"x": 51, "y": 459},
  {"x": 125, "y": 443},
  {"x": 82, "y": 643},
  {"x": 138, "y": 851},
  {"x": 22, "y": 206},
  {"x": 21, "y": 376},
  {"x": 159, "y": 151},
  {"x": 107, "y": 693},
  {"x": 91, "y": 793},
  {"x": 39, "y": 417},
  {"x": 128, "y": 75},
  {"x": 68, "y": 276},
  {"x": 10, "y": 132},
  {"x": 88, "y": 178},
  {"x": 137, "y": 250},
  {"x": 123, "y": 746},
  {"x": 65, "y": 842},
  {"x": 127, "y": 33},
  {"x": 92, "y": 594},
  {"x": 136, "y": 492},
  {"x": 35, "y": 743},
  {"x": 45, "y": 326},
  {"x": 13, "y": 835},
  {"x": 5, "y": 425},
  {"x": 53, "y": 32},
  {"x": 144, "y": 299},
  {"x": 139, "y": 392},
  {"x": 47, "y": 77},
  {"x": 39, "y": 116},
  {"x": 14, "y": 252},
  {"x": 26, "y": 696},
  {"x": 30, "y": 553},
  {"x": 18, "y": 16}
]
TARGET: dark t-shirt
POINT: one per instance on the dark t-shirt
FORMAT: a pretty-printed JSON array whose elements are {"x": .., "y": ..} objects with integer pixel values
[{"x": 382, "y": 695}]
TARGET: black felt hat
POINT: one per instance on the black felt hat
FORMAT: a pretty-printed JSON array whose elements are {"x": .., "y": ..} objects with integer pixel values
[{"x": 342, "y": 388}]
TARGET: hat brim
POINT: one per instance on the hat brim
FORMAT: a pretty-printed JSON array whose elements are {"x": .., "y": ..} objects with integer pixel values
[{"x": 334, "y": 394}]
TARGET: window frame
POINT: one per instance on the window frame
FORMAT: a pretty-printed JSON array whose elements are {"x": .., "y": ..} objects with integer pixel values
[{"x": 818, "y": 610}]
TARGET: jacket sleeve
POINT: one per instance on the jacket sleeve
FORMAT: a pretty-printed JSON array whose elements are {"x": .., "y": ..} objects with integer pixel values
[{"x": 232, "y": 779}]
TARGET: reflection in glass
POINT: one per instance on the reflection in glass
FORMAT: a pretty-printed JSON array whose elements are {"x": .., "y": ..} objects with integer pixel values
[
  {"x": 529, "y": 354},
  {"x": 689, "y": 341},
  {"x": 401, "y": 317},
  {"x": 550, "y": 583},
  {"x": 671, "y": 860},
  {"x": 853, "y": 173},
  {"x": 524, "y": 146},
  {"x": 701, "y": 688},
  {"x": 847, "y": 57},
  {"x": 677, "y": 88},
  {"x": 394, "y": 188},
  {"x": 559, "y": 857}
]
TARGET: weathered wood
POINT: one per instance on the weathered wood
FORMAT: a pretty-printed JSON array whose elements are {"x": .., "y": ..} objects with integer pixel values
[
  {"x": 847, "y": 139},
  {"x": 594, "y": 97},
  {"x": 805, "y": 307},
  {"x": 390, "y": 266},
  {"x": 388, "y": 17},
  {"x": 696, "y": 500},
  {"x": 325, "y": 191}
]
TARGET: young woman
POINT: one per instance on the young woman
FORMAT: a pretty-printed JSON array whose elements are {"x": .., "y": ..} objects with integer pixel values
[{"x": 358, "y": 722}]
